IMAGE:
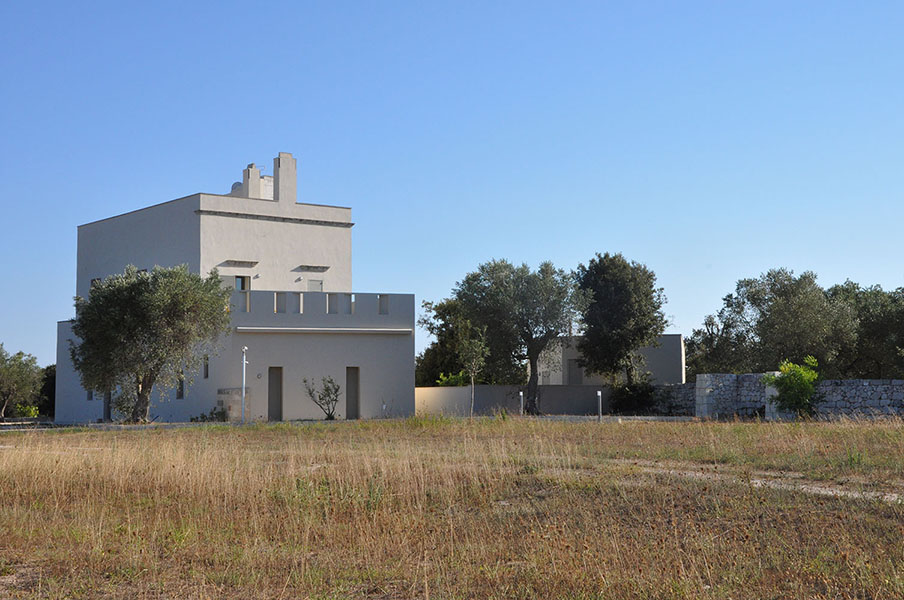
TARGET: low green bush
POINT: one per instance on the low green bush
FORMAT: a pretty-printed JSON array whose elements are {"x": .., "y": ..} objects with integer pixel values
[
  {"x": 216, "y": 415},
  {"x": 453, "y": 379},
  {"x": 796, "y": 385},
  {"x": 634, "y": 399}
]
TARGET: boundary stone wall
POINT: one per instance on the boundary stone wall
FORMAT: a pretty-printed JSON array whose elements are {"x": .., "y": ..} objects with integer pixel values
[
  {"x": 720, "y": 395},
  {"x": 675, "y": 400},
  {"x": 712, "y": 396},
  {"x": 860, "y": 397}
]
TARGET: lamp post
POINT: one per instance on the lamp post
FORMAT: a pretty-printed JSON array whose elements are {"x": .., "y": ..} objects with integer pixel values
[
  {"x": 599, "y": 406},
  {"x": 244, "y": 362},
  {"x": 521, "y": 403}
]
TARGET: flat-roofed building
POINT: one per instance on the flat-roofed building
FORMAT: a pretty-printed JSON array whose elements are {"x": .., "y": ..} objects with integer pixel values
[{"x": 290, "y": 265}]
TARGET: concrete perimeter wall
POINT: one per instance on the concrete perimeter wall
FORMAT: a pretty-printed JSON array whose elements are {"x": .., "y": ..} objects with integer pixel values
[{"x": 491, "y": 399}]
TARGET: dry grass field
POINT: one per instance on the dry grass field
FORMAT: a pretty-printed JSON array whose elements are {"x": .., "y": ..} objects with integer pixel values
[{"x": 434, "y": 508}]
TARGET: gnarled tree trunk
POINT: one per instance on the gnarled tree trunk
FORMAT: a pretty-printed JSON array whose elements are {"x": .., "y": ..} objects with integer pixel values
[
  {"x": 531, "y": 405},
  {"x": 141, "y": 411}
]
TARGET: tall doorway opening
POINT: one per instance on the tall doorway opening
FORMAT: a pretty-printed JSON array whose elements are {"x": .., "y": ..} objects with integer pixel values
[
  {"x": 274, "y": 394},
  {"x": 352, "y": 408}
]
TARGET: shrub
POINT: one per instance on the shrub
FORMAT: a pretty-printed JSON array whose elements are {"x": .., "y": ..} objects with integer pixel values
[
  {"x": 216, "y": 415},
  {"x": 796, "y": 385},
  {"x": 634, "y": 398},
  {"x": 326, "y": 398},
  {"x": 453, "y": 379},
  {"x": 28, "y": 411}
]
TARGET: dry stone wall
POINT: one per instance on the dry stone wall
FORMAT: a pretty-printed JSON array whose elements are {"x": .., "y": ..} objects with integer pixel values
[
  {"x": 860, "y": 397},
  {"x": 675, "y": 400},
  {"x": 725, "y": 395}
]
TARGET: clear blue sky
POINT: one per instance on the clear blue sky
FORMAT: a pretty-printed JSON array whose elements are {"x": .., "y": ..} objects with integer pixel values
[{"x": 709, "y": 140}]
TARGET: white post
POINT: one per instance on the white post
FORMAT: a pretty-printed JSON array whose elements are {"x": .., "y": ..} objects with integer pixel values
[
  {"x": 599, "y": 406},
  {"x": 521, "y": 403},
  {"x": 244, "y": 362}
]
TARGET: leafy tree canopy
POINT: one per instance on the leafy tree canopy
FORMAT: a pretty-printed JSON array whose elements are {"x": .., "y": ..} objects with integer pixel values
[
  {"x": 878, "y": 352},
  {"x": 20, "y": 380},
  {"x": 520, "y": 313},
  {"x": 141, "y": 329},
  {"x": 623, "y": 315},
  {"x": 775, "y": 317}
]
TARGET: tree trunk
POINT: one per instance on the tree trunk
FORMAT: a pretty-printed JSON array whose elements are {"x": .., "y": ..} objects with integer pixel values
[
  {"x": 141, "y": 412},
  {"x": 630, "y": 372},
  {"x": 531, "y": 406},
  {"x": 472, "y": 397},
  {"x": 3, "y": 408}
]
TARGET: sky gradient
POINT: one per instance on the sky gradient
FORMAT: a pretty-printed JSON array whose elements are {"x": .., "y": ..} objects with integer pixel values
[{"x": 709, "y": 140}]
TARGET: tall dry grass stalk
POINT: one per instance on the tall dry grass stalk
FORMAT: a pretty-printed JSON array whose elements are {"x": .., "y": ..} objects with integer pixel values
[{"x": 447, "y": 509}]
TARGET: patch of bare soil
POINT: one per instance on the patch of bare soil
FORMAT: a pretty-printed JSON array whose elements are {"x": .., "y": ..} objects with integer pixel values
[
  {"x": 21, "y": 580},
  {"x": 781, "y": 480}
]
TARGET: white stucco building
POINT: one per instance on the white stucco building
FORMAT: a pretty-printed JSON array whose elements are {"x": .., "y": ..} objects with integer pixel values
[
  {"x": 663, "y": 363},
  {"x": 290, "y": 265}
]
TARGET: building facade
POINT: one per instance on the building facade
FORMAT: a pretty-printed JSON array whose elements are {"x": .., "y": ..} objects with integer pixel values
[
  {"x": 291, "y": 269},
  {"x": 663, "y": 363}
]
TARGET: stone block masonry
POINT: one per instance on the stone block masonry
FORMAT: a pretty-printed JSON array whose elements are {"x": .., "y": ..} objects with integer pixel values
[
  {"x": 860, "y": 397},
  {"x": 721, "y": 395}
]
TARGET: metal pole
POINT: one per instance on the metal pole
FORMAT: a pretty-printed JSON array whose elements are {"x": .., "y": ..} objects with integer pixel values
[
  {"x": 599, "y": 406},
  {"x": 244, "y": 362},
  {"x": 521, "y": 401}
]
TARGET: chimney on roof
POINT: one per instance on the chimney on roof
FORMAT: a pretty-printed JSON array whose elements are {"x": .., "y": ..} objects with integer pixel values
[
  {"x": 251, "y": 182},
  {"x": 284, "y": 179}
]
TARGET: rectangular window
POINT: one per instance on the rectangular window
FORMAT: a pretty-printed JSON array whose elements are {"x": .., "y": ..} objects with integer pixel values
[
  {"x": 279, "y": 302},
  {"x": 206, "y": 367},
  {"x": 315, "y": 285},
  {"x": 90, "y": 395},
  {"x": 242, "y": 283},
  {"x": 332, "y": 304},
  {"x": 383, "y": 301},
  {"x": 180, "y": 389}
]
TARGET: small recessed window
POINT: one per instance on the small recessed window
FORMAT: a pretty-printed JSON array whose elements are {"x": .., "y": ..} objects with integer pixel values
[
  {"x": 206, "y": 367},
  {"x": 242, "y": 283},
  {"x": 90, "y": 395},
  {"x": 383, "y": 302},
  {"x": 180, "y": 389}
]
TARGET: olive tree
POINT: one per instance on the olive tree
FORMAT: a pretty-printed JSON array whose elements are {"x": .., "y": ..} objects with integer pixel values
[
  {"x": 522, "y": 311},
  {"x": 139, "y": 329},
  {"x": 775, "y": 317},
  {"x": 20, "y": 380}
]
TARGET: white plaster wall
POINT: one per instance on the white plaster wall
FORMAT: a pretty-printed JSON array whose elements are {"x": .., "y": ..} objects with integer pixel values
[
  {"x": 299, "y": 343},
  {"x": 664, "y": 362},
  {"x": 71, "y": 404},
  {"x": 166, "y": 234},
  {"x": 279, "y": 247}
]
